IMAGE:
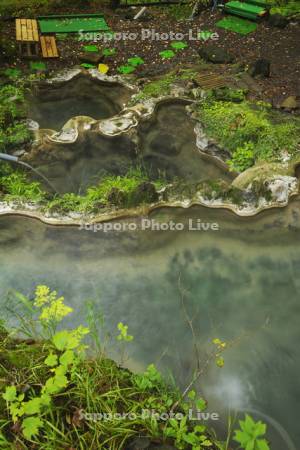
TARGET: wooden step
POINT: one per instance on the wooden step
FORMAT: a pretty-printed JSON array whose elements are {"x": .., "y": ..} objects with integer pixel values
[{"x": 49, "y": 48}]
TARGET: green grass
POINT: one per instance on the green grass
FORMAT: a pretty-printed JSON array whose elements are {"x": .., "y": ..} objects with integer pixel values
[
  {"x": 13, "y": 130},
  {"x": 85, "y": 386},
  {"x": 251, "y": 132}
]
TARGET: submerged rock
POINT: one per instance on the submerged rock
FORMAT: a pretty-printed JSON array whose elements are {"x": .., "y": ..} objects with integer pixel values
[{"x": 215, "y": 55}]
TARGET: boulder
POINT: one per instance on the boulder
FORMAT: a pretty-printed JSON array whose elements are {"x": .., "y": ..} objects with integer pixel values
[
  {"x": 290, "y": 103},
  {"x": 91, "y": 57},
  {"x": 260, "y": 68},
  {"x": 278, "y": 21},
  {"x": 215, "y": 55}
]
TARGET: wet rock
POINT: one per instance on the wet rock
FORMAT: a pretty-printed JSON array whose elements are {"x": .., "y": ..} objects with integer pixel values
[
  {"x": 139, "y": 443},
  {"x": 91, "y": 57},
  {"x": 278, "y": 21},
  {"x": 260, "y": 68},
  {"x": 290, "y": 103},
  {"x": 145, "y": 193},
  {"x": 281, "y": 187},
  {"x": 215, "y": 55}
]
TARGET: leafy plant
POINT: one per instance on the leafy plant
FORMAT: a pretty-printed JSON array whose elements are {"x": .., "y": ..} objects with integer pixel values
[
  {"x": 64, "y": 352},
  {"x": 167, "y": 54},
  {"x": 250, "y": 435},
  {"x": 109, "y": 51},
  {"x": 126, "y": 69},
  {"x": 179, "y": 45},
  {"x": 135, "y": 61}
]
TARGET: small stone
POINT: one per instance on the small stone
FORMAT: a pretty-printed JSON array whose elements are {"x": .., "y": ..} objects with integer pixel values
[
  {"x": 139, "y": 444},
  {"x": 290, "y": 103},
  {"x": 215, "y": 55},
  {"x": 278, "y": 21},
  {"x": 260, "y": 68},
  {"x": 91, "y": 57}
]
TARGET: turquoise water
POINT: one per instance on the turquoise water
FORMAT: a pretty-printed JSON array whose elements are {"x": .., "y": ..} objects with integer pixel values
[{"x": 243, "y": 286}]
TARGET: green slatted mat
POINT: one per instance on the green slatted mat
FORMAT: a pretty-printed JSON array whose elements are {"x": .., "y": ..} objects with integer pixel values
[
  {"x": 72, "y": 23},
  {"x": 237, "y": 25}
]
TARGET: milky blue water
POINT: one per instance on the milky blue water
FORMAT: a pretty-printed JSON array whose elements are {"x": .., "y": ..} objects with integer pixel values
[{"x": 242, "y": 286}]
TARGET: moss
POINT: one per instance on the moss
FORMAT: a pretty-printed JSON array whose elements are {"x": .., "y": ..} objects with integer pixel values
[
  {"x": 161, "y": 86},
  {"x": 252, "y": 132}
]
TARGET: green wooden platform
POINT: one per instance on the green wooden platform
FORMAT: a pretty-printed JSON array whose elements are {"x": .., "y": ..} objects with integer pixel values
[
  {"x": 72, "y": 23},
  {"x": 246, "y": 10}
]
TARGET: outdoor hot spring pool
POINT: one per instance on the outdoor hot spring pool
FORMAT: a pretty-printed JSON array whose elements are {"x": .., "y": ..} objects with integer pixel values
[{"x": 242, "y": 280}]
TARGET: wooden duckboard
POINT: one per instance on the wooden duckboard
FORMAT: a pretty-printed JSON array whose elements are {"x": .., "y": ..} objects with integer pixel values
[
  {"x": 27, "y": 30},
  {"x": 49, "y": 48}
]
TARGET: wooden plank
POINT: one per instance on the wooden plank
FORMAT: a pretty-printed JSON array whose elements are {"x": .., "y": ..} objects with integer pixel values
[
  {"x": 43, "y": 45},
  {"x": 35, "y": 30},
  {"x": 29, "y": 30},
  {"x": 18, "y": 30},
  {"x": 54, "y": 47},
  {"x": 49, "y": 48}
]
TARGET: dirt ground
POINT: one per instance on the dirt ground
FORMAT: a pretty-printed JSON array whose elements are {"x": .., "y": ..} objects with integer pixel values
[{"x": 280, "y": 47}]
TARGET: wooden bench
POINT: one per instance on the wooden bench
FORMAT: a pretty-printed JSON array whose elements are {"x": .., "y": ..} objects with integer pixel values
[
  {"x": 27, "y": 36},
  {"x": 49, "y": 48}
]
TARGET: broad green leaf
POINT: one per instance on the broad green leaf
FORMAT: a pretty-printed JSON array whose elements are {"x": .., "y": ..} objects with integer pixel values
[
  {"x": 201, "y": 404},
  {"x": 10, "y": 394},
  {"x": 51, "y": 360},
  {"x": 31, "y": 426},
  {"x": 192, "y": 395},
  {"x": 32, "y": 406},
  {"x": 65, "y": 340},
  {"x": 262, "y": 444},
  {"x": 67, "y": 358}
]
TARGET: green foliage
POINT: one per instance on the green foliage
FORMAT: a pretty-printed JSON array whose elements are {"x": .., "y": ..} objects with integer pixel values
[
  {"x": 251, "y": 132},
  {"x": 109, "y": 52},
  {"x": 179, "y": 430},
  {"x": 250, "y": 435},
  {"x": 13, "y": 131},
  {"x": 242, "y": 158},
  {"x": 167, "y": 54},
  {"x": 126, "y": 69},
  {"x": 287, "y": 8},
  {"x": 123, "y": 333},
  {"x": 179, "y": 45},
  {"x": 135, "y": 61},
  {"x": 98, "y": 196},
  {"x": 17, "y": 188},
  {"x": 179, "y": 12}
]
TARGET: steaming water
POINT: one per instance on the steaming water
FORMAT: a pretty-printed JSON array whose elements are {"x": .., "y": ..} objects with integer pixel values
[
  {"x": 53, "y": 105},
  {"x": 243, "y": 284},
  {"x": 167, "y": 147},
  {"x": 242, "y": 281}
]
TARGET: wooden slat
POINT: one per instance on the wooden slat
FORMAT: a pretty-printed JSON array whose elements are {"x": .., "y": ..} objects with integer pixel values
[
  {"x": 27, "y": 30},
  {"x": 18, "y": 30},
  {"x": 49, "y": 48},
  {"x": 35, "y": 30}
]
